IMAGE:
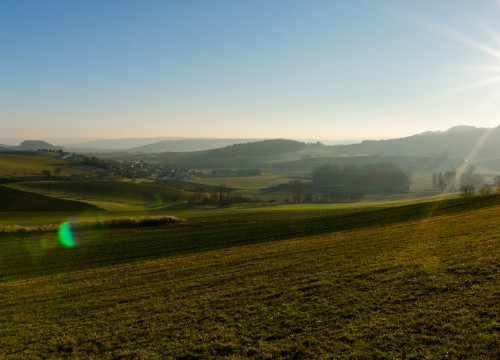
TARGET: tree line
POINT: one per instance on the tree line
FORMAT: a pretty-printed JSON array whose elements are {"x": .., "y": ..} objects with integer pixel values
[
  {"x": 381, "y": 177},
  {"x": 301, "y": 196},
  {"x": 221, "y": 196},
  {"x": 469, "y": 183}
]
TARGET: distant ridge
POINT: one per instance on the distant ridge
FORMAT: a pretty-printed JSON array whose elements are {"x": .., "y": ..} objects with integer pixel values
[
  {"x": 35, "y": 145},
  {"x": 250, "y": 154},
  {"x": 113, "y": 144},
  {"x": 457, "y": 142},
  {"x": 260, "y": 148},
  {"x": 185, "y": 145}
]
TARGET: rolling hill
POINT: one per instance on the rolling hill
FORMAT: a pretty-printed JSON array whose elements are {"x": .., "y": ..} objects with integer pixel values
[
  {"x": 458, "y": 142},
  {"x": 106, "y": 145},
  {"x": 35, "y": 145},
  {"x": 109, "y": 195},
  {"x": 187, "y": 145},
  {"x": 425, "y": 151},
  {"x": 413, "y": 287},
  {"x": 31, "y": 163},
  {"x": 250, "y": 154},
  {"x": 13, "y": 200}
]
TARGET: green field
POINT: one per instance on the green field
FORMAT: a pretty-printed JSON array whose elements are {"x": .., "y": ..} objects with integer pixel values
[
  {"x": 417, "y": 281},
  {"x": 108, "y": 195},
  {"x": 30, "y": 165},
  {"x": 20, "y": 201}
]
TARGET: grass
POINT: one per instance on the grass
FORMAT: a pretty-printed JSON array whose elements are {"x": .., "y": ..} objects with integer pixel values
[
  {"x": 108, "y": 195},
  {"x": 19, "y": 165},
  {"x": 100, "y": 224},
  {"x": 246, "y": 182},
  {"x": 13, "y": 200},
  {"x": 30, "y": 255},
  {"x": 425, "y": 288}
]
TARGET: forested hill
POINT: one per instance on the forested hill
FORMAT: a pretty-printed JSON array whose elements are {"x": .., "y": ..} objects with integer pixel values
[
  {"x": 262, "y": 148},
  {"x": 28, "y": 145},
  {"x": 185, "y": 145},
  {"x": 457, "y": 142},
  {"x": 37, "y": 144},
  {"x": 252, "y": 153}
]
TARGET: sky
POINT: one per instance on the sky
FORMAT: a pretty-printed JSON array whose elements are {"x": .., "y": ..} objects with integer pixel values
[{"x": 315, "y": 69}]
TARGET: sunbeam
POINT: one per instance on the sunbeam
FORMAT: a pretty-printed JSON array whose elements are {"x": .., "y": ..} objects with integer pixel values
[
  {"x": 476, "y": 85},
  {"x": 473, "y": 153}
]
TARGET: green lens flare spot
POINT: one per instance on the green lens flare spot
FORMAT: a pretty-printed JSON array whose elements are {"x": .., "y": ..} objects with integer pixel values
[{"x": 66, "y": 235}]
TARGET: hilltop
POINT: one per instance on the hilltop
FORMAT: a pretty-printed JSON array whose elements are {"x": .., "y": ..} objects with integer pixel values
[
  {"x": 422, "y": 151},
  {"x": 35, "y": 145},
  {"x": 187, "y": 145},
  {"x": 428, "y": 151},
  {"x": 457, "y": 142},
  {"x": 251, "y": 154}
]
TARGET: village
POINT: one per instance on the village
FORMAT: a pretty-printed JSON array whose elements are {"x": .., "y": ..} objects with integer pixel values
[{"x": 157, "y": 171}]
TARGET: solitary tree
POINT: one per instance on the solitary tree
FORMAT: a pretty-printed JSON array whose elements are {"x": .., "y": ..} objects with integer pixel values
[
  {"x": 440, "y": 182},
  {"x": 222, "y": 194},
  {"x": 466, "y": 177},
  {"x": 485, "y": 190},
  {"x": 467, "y": 190},
  {"x": 449, "y": 179},
  {"x": 409, "y": 179},
  {"x": 46, "y": 174},
  {"x": 297, "y": 187},
  {"x": 497, "y": 182}
]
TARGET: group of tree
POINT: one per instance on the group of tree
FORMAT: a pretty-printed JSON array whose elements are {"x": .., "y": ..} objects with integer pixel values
[
  {"x": 381, "y": 177},
  {"x": 48, "y": 175},
  {"x": 444, "y": 181},
  {"x": 221, "y": 196},
  {"x": 297, "y": 187},
  {"x": 469, "y": 184},
  {"x": 60, "y": 151},
  {"x": 96, "y": 162},
  {"x": 338, "y": 197}
]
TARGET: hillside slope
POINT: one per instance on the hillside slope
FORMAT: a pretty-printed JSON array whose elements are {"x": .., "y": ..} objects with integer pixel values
[
  {"x": 19, "y": 164},
  {"x": 421, "y": 289},
  {"x": 251, "y": 154},
  {"x": 110, "y": 195},
  {"x": 457, "y": 142},
  {"x": 187, "y": 145},
  {"x": 13, "y": 200}
]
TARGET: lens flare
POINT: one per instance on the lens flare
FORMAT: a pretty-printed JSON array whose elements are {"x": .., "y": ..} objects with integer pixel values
[{"x": 66, "y": 235}]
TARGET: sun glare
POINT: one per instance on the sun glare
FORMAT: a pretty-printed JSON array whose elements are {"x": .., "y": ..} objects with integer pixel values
[
  {"x": 488, "y": 81},
  {"x": 493, "y": 79},
  {"x": 66, "y": 235}
]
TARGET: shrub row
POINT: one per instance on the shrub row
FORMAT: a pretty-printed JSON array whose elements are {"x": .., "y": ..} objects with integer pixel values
[{"x": 110, "y": 223}]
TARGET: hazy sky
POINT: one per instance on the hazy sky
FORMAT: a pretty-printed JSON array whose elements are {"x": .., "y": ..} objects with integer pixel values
[{"x": 310, "y": 69}]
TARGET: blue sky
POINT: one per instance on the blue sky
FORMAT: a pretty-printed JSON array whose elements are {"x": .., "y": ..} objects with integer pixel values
[{"x": 265, "y": 69}]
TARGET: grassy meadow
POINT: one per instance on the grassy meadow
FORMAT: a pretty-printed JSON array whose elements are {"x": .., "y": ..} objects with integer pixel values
[
  {"x": 107, "y": 195},
  {"x": 30, "y": 165},
  {"x": 425, "y": 288},
  {"x": 21, "y": 201},
  {"x": 416, "y": 281}
]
